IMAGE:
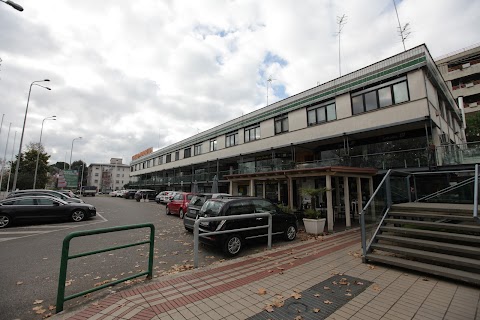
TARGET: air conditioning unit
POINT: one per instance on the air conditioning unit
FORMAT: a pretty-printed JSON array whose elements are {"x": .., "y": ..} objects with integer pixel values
[
  {"x": 468, "y": 85},
  {"x": 466, "y": 65}
]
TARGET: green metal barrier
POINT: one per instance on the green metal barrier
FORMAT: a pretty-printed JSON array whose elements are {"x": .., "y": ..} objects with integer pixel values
[{"x": 65, "y": 257}]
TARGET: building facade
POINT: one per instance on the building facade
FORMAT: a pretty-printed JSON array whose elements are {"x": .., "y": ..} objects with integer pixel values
[
  {"x": 391, "y": 114},
  {"x": 108, "y": 176},
  {"x": 461, "y": 71}
]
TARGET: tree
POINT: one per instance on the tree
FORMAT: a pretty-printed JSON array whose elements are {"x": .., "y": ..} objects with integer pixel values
[
  {"x": 80, "y": 166},
  {"x": 473, "y": 127},
  {"x": 26, "y": 170}
]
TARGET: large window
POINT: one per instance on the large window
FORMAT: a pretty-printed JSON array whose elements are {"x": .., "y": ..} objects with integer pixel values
[
  {"x": 213, "y": 145},
  {"x": 321, "y": 113},
  {"x": 281, "y": 124},
  {"x": 381, "y": 96},
  {"x": 252, "y": 133},
  {"x": 231, "y": 139},
  {"x": 187, "y": 153},
  {"x": 198, "y": 149},
  {"x": 168, "y": 158},
  {"x": 177, "y": 155}
]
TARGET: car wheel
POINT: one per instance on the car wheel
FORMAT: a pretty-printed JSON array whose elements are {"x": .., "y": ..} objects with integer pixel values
[
  {"x": 233, "y": 245},
  {"x": 167, "y": 210},
  {"x": 181, "y": 214},
  {"x": 290, "y": 232},
  {"x": 78, "y": 215},
  {"x": 4, "y": 221}
]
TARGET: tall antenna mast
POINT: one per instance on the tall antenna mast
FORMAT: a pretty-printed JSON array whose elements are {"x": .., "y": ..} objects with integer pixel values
[
  {"x": 269, "y": 80},
  {"x": 404, "y": 31},
  {"x": 341, "y": 21}
]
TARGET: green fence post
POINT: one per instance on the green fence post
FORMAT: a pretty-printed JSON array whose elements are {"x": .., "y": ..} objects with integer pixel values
[{"x": 63, "y": 274}]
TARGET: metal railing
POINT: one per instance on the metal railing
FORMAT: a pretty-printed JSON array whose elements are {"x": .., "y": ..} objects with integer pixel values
[
  {"x": 196, "y": 229},
  {"x": 65, "y": 257}
]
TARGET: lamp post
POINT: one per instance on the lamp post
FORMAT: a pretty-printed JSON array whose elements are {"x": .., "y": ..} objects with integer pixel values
[
  {"x": 34, "y": 83},
  {"x": 13, "y": 5},
  {"x": 71, "y": 151},
  {"x": 39, "y": 148}
]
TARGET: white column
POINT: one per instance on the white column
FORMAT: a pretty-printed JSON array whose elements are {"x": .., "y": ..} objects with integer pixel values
[
  {"x": 252, "y": 186},
  {"x": 346, "y": 192},
  {"x": 278, "y": 191},
  {"x": 329, "y": 203}
]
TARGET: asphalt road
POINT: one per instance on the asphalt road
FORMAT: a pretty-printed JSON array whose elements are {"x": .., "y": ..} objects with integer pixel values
[{"x": 30, "y": 256}]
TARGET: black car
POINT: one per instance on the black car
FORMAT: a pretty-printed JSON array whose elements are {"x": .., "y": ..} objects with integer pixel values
[
  {"x": 195, "y": 205},
  {"x": 33, "y": 208},
  {"x": 43, "y": 192},
  {"x": 282, "y": 223},
  {"x": 130, "y": 193},
  {"x": 145, "y": 194}
]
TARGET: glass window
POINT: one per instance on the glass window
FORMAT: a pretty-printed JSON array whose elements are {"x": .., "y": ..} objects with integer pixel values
[
  {"x": 177, "y": 155},
  {"x": 198, "y": 149},
  {"x": 385, "y": 97},
  {"x": 281, "y": 124},
  {"x": 168, "y": 158},
  {"x": 331, "y": 112},
  {"x": 371, "y": 101},
  {"x": 400, "y": 92},
  {"x": 213, "y": 145},
  {"x": 24, "y": 202},
  {"x": 252, "y": 133},
  {"x": 231, "y": 139},
  {"x": 45, "y": 202},
  {"x": 321, "y": 116},
  {"x": 311, "y": 115},
  {"x": 262, "y": 206},
  {"x": 357, "y": 104},
  {"x": 187, "y": 153}
]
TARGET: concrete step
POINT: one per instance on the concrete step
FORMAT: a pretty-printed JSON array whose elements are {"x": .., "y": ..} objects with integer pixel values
[
  {"x": 435, "y": 257},
  {"x": 451, "y": 273},
  {"x": 432, "y": 216},
  {"x": 436, "y": 245},
  {"x": 445, "y": 208},
  {"x": 432, "y": 234},
  {"x": 474, "y": 228}
]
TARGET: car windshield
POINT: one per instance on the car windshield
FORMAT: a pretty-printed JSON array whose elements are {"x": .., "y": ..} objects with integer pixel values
[{"x": 212, "y": 208}]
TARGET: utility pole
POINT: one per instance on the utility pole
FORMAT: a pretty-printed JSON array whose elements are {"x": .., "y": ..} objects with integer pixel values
[{"x": 404, "y": 31}]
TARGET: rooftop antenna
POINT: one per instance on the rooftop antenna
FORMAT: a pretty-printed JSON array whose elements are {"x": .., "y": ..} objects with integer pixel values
[
  {"x": 404, "y": 31},
  {"x": 341, "y": 21},
  {"x": 269, "y": 80}
]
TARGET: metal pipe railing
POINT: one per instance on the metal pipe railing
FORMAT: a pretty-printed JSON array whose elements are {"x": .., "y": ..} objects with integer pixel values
[
  {"x": 475, "y": 195},
  {"x": 196, "y": 229}
]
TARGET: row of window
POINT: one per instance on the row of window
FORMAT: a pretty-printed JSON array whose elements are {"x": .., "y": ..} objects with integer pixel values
[{"x": 384, "y": 95}]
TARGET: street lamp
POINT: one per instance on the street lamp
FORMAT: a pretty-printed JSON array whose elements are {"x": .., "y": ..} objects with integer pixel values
[
  {"x": 71, "y": 151},
  {"x": 13, "y": 4},
  {"x": 39, "y": 148},
  {"x": 34, "y": 83}
]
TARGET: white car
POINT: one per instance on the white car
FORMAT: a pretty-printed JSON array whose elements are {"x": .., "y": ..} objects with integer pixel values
[{"x": 164, "y": 197}]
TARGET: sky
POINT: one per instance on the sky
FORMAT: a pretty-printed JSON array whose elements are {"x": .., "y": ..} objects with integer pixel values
[{"x": 129, "y": 75}]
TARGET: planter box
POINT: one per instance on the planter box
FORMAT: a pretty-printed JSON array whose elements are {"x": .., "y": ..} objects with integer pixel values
[{"x": 314, "y": 226}]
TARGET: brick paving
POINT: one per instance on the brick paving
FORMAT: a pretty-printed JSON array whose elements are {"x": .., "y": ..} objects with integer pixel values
[{"x": 231, "y": 290}]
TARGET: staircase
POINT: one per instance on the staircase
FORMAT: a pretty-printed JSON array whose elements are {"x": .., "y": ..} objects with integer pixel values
[{"x": 439, "y": 239}]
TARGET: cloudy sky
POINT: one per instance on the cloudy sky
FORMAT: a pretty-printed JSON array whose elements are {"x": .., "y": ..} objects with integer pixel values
[{"x": 129, "y": 75}]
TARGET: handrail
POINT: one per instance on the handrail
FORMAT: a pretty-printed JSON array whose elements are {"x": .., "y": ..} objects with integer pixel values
[
  {"x": 362, "y": 215},
  {"x": 447, "y": 189},
  {"x": 475, "y": 195},
  {"x": 196, "y": 231},
  {"x": 65, "y": 257}
]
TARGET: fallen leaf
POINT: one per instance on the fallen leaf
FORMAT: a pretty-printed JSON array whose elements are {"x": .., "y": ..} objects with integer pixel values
[
  {"x": 326, "y": 288},
  {"x": 51, "y": 307},
  {"x": 296, "y": 295},
  {"x": 37, "y": 301},
  {"x": 269, "y": 308},
  {"x": 327, "y": 302},
  {"x": 371, "y": 267},
  {"x": 19, "y": 283},
  {"x": 316, "y": 310},
  {"x": 298, "y": 318},
  {"x": 96, "y": 278},
  {"x": 317, "y": 295},
  {"x": 262, "y": 291},
  {"x": 348, "y": 294},
  {"x": 376, "y": 288},
  {"x": 278, "y": 303}
]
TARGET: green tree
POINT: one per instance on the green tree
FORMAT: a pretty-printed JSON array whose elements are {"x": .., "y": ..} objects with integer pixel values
[
  {"x": 473, "y": 127},
  {"x": 80, "y": 166},
  {"x": 26, "y": 170}
]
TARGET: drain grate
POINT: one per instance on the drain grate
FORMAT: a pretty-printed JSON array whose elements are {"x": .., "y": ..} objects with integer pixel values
[{"x": 318, "y": 301}]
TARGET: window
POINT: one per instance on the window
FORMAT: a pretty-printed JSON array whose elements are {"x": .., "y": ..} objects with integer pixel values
[
  {"x": 96, "y": 181},
  {"x": 177, "y": 155},
  {"x": 252, "y": 133},
  {"x": 118, "y": 175},
  {"x": 213, "y": 145},
  {"x": 160, "y": 160},
  {"x": 381, "y": 96},
  {"x": 198, "y": 149},
  {"x": 46, "y": 202},
  {"x": 187, "y": 153},
  {"x": 321, "y": 113},
  {"x": 281, "y": 124},
  {"x": 231, "y": 139},
  {"x": 96, "y": 174},
  {"x": 169, "y": 158}
]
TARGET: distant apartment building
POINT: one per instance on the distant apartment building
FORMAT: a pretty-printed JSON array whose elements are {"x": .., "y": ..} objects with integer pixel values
[
  {"x": 461, "y": 71},
  {"x": 108, "y": 176}
]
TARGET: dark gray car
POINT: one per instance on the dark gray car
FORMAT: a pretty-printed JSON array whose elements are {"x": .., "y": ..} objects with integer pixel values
[{"x": 43, "y": 192}]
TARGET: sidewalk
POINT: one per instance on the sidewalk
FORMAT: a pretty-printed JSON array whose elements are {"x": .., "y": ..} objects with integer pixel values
[{"x": 314, "y": 279}]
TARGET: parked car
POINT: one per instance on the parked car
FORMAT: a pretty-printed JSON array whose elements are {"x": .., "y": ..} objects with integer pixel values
[
  {"x": 33, "y": 208},
  {"x": 164, "y": 197},
  {"x": 44, "y": 192},
  {"x": 195, "y": 205},
  {"x": 282, "y": 223},
  {"x": 145, "y": 194},
  {"x": 179, "y": 203},
  {"x": 120, "y": 193},
  {"x": 113, "y": 193},
  {"x": 130, "y": 193},
  {"x": 68, "y": 193}
]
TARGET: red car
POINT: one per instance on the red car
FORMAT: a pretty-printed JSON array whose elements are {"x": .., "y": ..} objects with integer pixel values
[{"x": 179, "y": 203}]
